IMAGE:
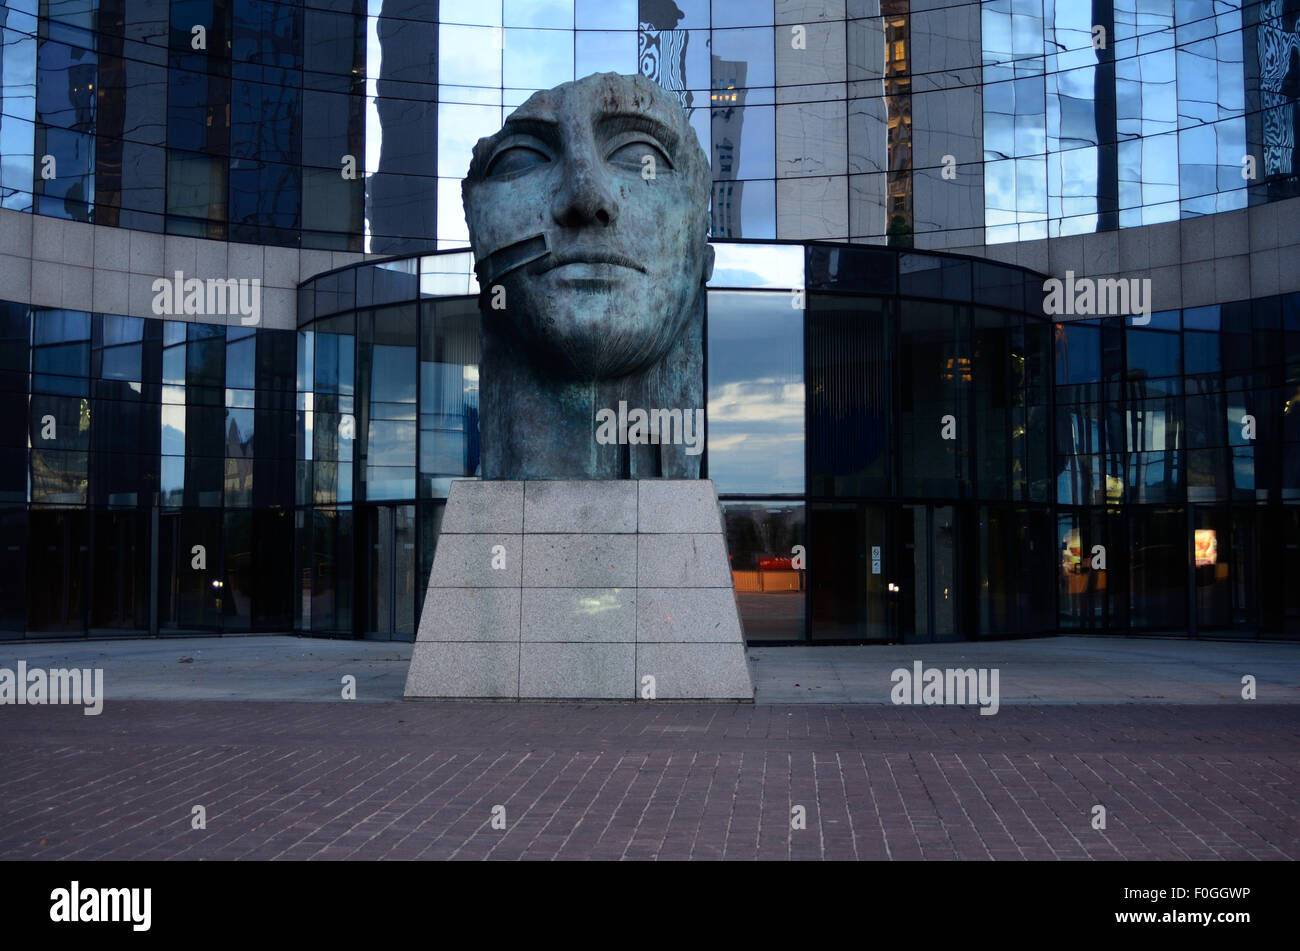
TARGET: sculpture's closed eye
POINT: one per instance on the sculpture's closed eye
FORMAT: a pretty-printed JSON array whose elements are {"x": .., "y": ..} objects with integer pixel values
[
  {"x": 517, "y": 158},
  {"x": 632, "y": 155}
]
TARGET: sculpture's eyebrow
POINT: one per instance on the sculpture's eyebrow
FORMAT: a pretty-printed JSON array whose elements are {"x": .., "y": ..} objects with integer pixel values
[
  {"x": 612, "y": 122},
  {"x": 543, "y": 128}
]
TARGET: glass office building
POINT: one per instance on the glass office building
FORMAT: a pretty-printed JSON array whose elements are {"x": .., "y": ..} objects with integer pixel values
[{"x": 893, "y": 181}]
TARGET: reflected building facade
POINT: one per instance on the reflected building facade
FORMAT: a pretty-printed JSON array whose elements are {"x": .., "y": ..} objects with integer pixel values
[{"x": 913, "y": 168}]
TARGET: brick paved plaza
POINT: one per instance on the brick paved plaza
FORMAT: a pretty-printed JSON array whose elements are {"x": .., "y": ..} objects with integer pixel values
[{"x": 338, "y": 780}]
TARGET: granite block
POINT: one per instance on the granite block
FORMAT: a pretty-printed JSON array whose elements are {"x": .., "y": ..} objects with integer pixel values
[
  {"x": 682, "y": 561},
  {"x": 470, "y": 614},
  {"x": 577, "y": 671},
  {"x": 580, "y": 506},
  {"x": 464, "y": 670},
  {"x": 580, "y": 561},
  {"x": 492, "y": 507},
  {"x": 579, "y": 614},
  {"x": 687, "y": 615},
  {"x": 465, "y": 561},
  {"x": 678, "y": 505},
  {"x": 688, "y": 671}
]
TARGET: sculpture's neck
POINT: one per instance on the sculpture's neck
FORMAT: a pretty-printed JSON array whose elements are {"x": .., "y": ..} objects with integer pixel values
[{"x": 538, "y": 427}]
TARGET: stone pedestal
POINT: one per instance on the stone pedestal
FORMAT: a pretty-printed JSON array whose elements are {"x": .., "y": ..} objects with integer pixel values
[{"x": 580, "y": 590}]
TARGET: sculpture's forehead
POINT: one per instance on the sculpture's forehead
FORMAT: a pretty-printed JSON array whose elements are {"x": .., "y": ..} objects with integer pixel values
[{"x": 586, "y": 101}]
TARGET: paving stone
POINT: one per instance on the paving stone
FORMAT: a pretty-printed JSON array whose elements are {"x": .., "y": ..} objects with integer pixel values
[{"x": 305, "y": 780}]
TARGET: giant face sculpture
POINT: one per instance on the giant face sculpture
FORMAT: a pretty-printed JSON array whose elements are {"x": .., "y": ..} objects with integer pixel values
[{"x": 588, "y": 216}]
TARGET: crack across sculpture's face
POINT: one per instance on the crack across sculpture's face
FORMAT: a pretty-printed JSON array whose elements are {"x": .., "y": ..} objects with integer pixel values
[{"x": 602, "y": 188}]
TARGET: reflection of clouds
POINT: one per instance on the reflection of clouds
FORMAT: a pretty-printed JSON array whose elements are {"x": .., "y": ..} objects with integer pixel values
[
  {"x": 468, "y": 56},
  {"x": 754, "y": 441},
  {"x": 757, "y": 265},
  {"x": 749, "y": 401},
  {"x": 459, "y": 127}
]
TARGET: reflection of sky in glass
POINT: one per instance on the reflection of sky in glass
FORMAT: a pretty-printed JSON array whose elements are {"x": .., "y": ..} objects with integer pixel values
[
  {"x": 482, "y": 12},
  {"x": 537, "y": 59},
  {"x": 469, "y": 56},
  {"x": 755, "y": 393},
  {"x": 757, "y": 265},
  {"x": 604, "y": 53},
  {"x": 605, "y": 14},
  {"x": 459, "y": 127},
  {"x": 557, "y": 14},
  {"x": 374, "y": 129}
]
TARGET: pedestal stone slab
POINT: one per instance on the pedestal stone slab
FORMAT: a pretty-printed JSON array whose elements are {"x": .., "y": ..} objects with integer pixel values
[
  {"x": 682, "y": 560},
  {"x": 464, "y": 670},
  {"x": 686, "y": 615},
  {"x": 566, "y": 506},
  {"x": 579, "y": 614},
  {"x": 485, "y": 507},
  {"x": 472, "y": 614},
  {"x": 465, "y": 561},
  {"x": 579, "y": 561},
  {"x": 692, "y": 671},
  {"x": 678, "y": 505},
  {"x": 587, "y": 671},
  {"x": 607, "y": 582}
]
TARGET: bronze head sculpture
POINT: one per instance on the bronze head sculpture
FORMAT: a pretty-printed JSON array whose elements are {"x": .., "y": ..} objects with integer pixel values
[{"x": 588, "y": 217}]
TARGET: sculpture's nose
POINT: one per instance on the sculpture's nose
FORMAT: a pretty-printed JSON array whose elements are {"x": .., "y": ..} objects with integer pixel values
[{"x": 585, "y": 198}]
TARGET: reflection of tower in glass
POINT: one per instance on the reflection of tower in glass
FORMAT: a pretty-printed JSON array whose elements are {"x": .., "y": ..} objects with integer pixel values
[
  {"x": 726, "y": 100},
  {"x": 898, "y": 109},
  {"x": 661, "y": 49},
  {"x": 1279, "y": 82}
]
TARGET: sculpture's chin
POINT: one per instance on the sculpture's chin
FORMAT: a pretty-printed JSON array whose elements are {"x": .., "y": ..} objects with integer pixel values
[
  {"x": 582, "y": 357},
  {"x": 599, "y": 342}
]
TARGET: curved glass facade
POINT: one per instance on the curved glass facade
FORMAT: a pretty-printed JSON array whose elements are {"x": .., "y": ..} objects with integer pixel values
[
  {"x": 903, "y": 448},
  {"x": 346, "y": 125},
  {"x": 1098, "y": 475}
]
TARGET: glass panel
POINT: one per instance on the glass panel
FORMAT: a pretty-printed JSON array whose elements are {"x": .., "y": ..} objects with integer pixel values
[
  {"x": 449, "y": 357},
  {"x": 1158, "y": 569},
  {"x": 850, "y": 404},
  {"x": 757, "y": 265},
  {"x": 755, "y": 393},
  {"x": 769, "y": 574}
]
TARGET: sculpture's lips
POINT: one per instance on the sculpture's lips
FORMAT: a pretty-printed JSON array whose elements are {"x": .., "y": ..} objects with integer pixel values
[{"x": 592, "y": 257}]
